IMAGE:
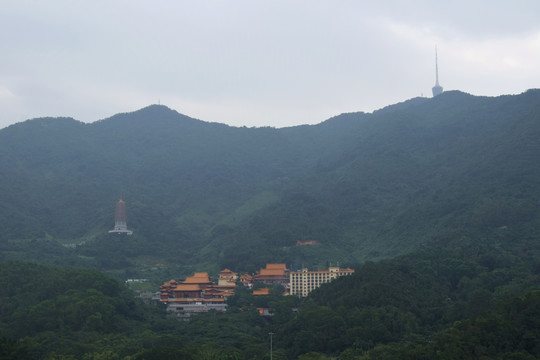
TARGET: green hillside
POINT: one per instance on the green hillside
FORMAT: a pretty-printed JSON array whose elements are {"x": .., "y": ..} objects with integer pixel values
[
  {"x": 450, "y": 167},
  {"x": 469, "y": 300},
  {"x": 205, "y": 195}
]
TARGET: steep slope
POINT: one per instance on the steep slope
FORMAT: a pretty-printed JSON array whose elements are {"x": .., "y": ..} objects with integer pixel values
[
  {"x": 444, "y": 302},
  {"x": 155, "y": 158},
  {"x": 454, "y": 166},
  {"x": 363, "y": 185}
]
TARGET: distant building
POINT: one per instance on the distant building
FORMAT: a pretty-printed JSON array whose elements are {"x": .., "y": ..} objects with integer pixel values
[
  {"x": 166, "y": 290},
  {"x": 246, "y": 280},
  {"x": 195, "y": 294},
  {"x": 225, "y": 286},
  {"x": 120, "y": 219},
  {"x": 261, "y": 292},
  {"x": 273, "y": 274},
  {"x": 305, "y": 281},
  {"x": 227, "y": 278},
  {"x": 307, "y": 242},
  {"x": 265, "y": 312},
  {"x": 437, "y": 89}
]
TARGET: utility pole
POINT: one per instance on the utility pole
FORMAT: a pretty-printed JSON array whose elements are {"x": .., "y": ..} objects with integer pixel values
[{"x": 270, "y": 333}]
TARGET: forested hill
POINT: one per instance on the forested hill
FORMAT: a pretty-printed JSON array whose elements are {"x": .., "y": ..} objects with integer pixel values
[{"x": 364, "y": 186}]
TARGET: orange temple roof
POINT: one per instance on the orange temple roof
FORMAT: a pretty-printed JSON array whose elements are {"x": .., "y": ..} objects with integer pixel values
[
  {"x": 198, "y": 278},
  {"x": 272, "y": 272},
  {"x": 276, "y": 266},
  {"x": 262, "y": 291},
  {"x": 194, "y": 300},
  {"x": 187, "y": 287}
]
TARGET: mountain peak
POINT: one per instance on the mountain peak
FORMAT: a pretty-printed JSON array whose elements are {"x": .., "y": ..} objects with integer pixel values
[
  {"x": 155, "y": 113},
  {"x": 155, "y": 108}
]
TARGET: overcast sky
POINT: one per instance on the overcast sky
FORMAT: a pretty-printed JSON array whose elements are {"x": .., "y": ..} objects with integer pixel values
[{"x": 257, "y": 63}]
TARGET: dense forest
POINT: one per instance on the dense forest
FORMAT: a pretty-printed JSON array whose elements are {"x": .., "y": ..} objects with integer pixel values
[
  {"x": 468, "y": 300},
  {"x": 434, "y": 202},
  {"x": 208, "y": 196}
]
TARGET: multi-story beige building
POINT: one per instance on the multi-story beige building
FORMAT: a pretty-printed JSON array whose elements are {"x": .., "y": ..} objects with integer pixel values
[{"x": 305, "y": 281}]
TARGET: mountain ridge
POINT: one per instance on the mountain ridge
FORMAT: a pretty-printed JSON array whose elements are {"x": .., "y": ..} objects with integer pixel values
[{"x": 365, "y": 185}]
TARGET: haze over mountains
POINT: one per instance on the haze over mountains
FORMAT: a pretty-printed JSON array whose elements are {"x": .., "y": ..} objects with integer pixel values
[{"x": 364, "y": 186}]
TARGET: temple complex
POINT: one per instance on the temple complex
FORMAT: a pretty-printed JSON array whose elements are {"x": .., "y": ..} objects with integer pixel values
[{"x": 198, "y": 293}]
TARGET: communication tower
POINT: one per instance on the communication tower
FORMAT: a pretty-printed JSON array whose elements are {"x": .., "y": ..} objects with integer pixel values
[{"x": 437, "y": 89}]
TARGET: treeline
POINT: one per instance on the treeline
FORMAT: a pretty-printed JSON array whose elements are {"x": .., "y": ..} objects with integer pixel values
[
  {"x": 68, "y": 313},
  {"x": 426, "y": 303},
  {"x": 57, "y": 311}
]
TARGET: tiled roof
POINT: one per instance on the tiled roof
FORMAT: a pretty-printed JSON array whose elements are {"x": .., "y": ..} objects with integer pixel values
[
  {"x": 272, "y": 272},
  {"x": 262, "y": 291},
  {"x": 200, "y": 274},
  {"x": 192, "y": 300},
  {"x": 276, "y": 266},
  {"x": 187, "y": 287},
  {"x": 224, "y": 287},
  {"x": 227, "y": 272},
  {"x": 198, "y": 278}
]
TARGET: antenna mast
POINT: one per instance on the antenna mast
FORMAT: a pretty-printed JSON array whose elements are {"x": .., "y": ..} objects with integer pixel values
[
  {"x": 437, "y": 89},
  {"x": 436, "y": 68}
]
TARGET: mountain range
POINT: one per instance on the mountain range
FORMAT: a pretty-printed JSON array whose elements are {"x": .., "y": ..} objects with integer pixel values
[{"x": 200, "y": 195}]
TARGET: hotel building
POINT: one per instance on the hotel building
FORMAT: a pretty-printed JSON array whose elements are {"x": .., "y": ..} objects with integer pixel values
[{"x": 304, "y": 281}]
